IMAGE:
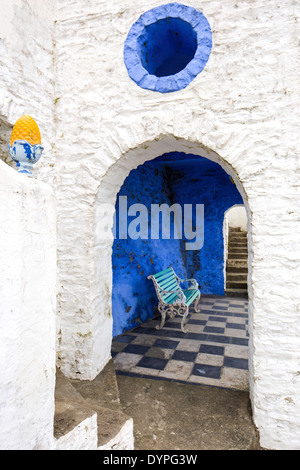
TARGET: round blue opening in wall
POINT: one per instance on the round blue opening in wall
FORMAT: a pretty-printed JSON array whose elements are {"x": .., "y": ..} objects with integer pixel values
[{"x": 167, "y": 47}]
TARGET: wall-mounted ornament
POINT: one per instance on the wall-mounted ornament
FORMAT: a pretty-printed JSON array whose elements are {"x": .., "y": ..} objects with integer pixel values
[{"x": 25, "y": 144}]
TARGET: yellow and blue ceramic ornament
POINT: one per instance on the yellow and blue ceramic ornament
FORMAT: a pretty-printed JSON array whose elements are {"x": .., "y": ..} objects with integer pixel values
[{"x": 25, "y": 144}]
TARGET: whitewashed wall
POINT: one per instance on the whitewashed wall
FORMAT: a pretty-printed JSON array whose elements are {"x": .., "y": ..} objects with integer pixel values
[
  {"x": 27, "y": 231},
  {"x": 27, "y": 311},
  {"x": 243, "y": 107}
]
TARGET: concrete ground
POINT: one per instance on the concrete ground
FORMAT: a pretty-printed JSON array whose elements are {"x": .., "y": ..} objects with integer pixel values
[
  {"x": 167, "y": 415},
  {"x": 174, "y": 416}
]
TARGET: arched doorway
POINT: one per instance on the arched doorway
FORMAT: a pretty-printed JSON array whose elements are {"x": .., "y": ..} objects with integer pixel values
[
  {"x": 235, "y": 228},
  {"x": 104, "y": 216}
]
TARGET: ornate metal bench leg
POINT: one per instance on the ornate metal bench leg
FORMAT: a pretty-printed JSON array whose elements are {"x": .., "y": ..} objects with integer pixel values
[
  {"x": 184, "y": 319},
  {"x": 162, "y": 311},
  {"x": 197, "y": 309}
]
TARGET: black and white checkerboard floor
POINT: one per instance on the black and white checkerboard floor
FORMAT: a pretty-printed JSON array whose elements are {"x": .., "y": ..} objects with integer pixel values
[{"x": 213, "y": 352}]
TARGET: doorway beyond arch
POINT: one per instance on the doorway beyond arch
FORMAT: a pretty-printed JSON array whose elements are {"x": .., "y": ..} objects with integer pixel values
[{"x": 235, "y": 234}]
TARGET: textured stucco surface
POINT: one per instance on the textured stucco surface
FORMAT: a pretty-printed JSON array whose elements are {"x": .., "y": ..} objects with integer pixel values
[
  {"x": 243, "y": 107},
  {"x": 27, "y": 306}
]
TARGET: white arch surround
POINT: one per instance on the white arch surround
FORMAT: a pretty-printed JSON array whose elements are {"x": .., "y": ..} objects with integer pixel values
[{"x": 93, "y": 347}]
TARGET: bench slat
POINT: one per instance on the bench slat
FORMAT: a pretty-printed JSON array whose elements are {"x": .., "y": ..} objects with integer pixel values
[
  {"x": 164, "y": 278},
  {"x": 165, "y": 271},
  {"x": 170, "y": 298},
  {"x": 191, "y": 297},
  {"x": 167, "y": 284}
]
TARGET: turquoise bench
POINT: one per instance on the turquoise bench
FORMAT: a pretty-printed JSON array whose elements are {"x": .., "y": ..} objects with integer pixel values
[{"x": 173, "y": 300}]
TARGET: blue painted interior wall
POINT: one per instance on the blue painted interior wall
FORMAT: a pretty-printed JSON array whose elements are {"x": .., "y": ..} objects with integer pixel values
[
  {"x": 167, "y": 46},
  {"x": 171, "y": 178}
]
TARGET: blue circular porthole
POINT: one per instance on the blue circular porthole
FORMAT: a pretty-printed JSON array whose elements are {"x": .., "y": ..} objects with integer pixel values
[{"x": 167, "y": 47}]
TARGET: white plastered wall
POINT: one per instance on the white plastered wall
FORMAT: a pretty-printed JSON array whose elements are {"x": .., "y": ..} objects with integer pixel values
[
  {"x": 242, "y": 107},
  {"x": 27, "y": 231},
  {"x": 27, "y": 307}
]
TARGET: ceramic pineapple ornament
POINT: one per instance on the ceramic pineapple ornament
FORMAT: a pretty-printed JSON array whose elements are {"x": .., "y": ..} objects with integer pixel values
[{"x": 25, "y": 144}]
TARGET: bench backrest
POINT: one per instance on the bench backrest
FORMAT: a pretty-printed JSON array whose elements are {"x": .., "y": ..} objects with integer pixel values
[{"x": 166, "y": 281}]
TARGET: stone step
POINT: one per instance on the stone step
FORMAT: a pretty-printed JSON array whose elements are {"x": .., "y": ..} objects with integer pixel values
[
  {"x": 237, "y": 256},
  {"x": 237, "y": 276},
  {"x": 236, "y": 284},
  {"x": 238, "y": 242},
  {"x": 241, "y": 293},
  {"x": 70, "y": 413},
  {"x": 237, "y": 262},
  {"x": 237, "y": 229},
  {"x": 237, "y": 269},
  {"x": 77, "y": 400},
  {"x": 239, "y": 249},
  {"x": 238, "y": 238},
  {"x": 238, "y": 235}
]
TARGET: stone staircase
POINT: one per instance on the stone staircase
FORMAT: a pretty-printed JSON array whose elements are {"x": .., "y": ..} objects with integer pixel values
[
  {"x": 237, "y": 264},
  {"x": 88, "y": 414}
]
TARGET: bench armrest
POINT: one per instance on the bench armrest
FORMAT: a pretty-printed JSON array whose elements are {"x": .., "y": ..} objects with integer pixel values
[{"x": 194, "y": 283}]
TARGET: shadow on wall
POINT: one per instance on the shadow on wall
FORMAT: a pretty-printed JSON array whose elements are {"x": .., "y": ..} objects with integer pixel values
[
  {"x": 173, "y": 178},
  {"x": 5, "y": 132}
]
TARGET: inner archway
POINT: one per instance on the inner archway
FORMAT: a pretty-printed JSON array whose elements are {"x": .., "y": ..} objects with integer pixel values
[
  {"x": 174, "y": 208},
  {"x": 235, "y": 232}
]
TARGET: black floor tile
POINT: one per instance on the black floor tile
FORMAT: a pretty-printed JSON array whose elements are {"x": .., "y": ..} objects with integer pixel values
[
  {"x": 214, "y": 329},
  {"x": 124, "y": 338},
  {"x": 239, "y": 341},
  {"x": 152, "y": 363},
  {"x": 205, "y": 370},
  {"x": 192, "y": 321},
  {"x": 219, "y": 319},
  {"x": 235, "y": 362},
  {"x": 237, "y": 326},
  {"x": 210, "y": 349},
  {"x": 136, "y": 349},
  {"x": 184, "y": 356},
  {"x": 165, "y": 343}
]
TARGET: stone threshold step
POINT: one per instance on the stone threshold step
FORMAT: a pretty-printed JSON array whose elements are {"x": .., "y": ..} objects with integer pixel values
[
  {"x": 236, "y": 293},
  {"x": 72, "y": 409}
]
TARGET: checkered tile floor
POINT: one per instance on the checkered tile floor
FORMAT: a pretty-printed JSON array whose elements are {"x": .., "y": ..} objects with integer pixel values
[{"x": 213, "y": 352}]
